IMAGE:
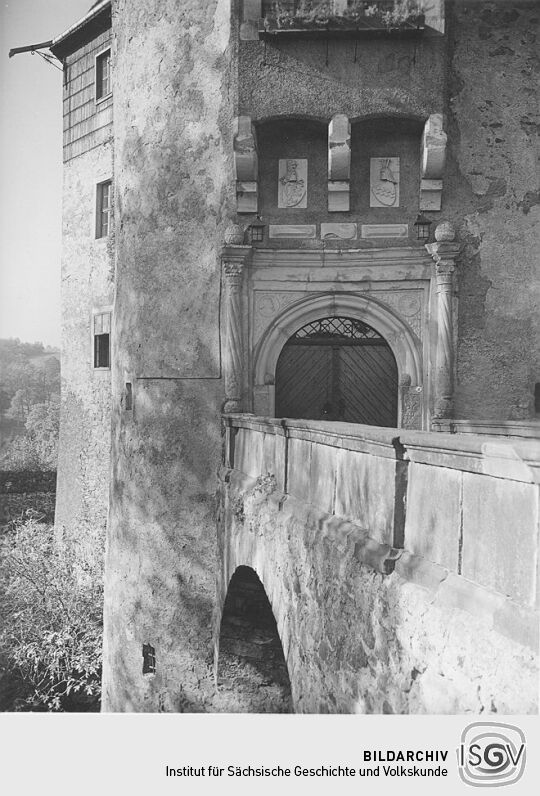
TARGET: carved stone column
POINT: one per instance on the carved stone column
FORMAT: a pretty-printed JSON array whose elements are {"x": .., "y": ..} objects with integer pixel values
[
  {"x": 444, "y": 253},
  {"x": 234, "y": 258}
]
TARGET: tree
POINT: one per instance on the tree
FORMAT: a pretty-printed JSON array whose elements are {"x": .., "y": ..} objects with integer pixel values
[{"x": 42, "y": 427}]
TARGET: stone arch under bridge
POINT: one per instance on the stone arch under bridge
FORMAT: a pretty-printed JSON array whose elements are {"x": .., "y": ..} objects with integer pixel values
[
  {"x": 403, "y": 343},
  {"x": 250, "y": 666}
]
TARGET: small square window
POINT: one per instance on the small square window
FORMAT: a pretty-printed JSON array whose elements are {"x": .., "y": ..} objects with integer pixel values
[
  {"x": 103, "y": 75},
  {"x": 149, "y": 659},
  {"x": 103, "y": 209},
  {"x": 102, "y": 340}
]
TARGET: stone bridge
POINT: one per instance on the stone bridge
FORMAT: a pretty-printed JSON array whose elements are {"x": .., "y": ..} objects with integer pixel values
[{"x": 376, "y": 570}]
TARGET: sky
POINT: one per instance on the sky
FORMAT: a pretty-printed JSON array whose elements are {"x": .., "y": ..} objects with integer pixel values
[{"x": 31, "y": 169}]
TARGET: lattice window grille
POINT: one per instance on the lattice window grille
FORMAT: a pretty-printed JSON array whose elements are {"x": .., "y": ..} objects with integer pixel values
[{"x": 348, "y": 328}]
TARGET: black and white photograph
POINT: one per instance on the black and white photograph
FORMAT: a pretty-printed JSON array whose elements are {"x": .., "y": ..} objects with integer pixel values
[{"x": 270, "y": 393}]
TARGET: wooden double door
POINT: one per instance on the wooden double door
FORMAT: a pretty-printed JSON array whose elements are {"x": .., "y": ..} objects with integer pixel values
[{"x": 337, "y": 369}]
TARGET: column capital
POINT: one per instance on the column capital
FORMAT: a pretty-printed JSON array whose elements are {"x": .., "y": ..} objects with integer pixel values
[
  {"x": 234, "y": 259},
  {"x": 444, "y": 255}
]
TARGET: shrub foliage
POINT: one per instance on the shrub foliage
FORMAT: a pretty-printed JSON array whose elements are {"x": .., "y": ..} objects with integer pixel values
[{"x": 51, "y": 595}]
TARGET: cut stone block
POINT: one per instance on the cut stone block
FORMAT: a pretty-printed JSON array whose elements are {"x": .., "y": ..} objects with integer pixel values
[
  {"x": 365, "y": 493},
  {"x": 433, "y": 520},
  {"x": 322, "y": 478},
  {"x": 299, "y": 467},
  {"x": 500, "y": 535}
]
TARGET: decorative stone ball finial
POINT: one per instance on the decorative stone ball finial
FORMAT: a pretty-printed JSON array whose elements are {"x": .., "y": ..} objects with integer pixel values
[
  {"x": 445, "y": 232},
  {"x": 234, "y": 235}
]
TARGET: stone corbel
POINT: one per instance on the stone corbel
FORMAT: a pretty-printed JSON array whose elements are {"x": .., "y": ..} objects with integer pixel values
[
  {"x": 433, "y": 159},
  {"x": 339, "y": 163},
  {"x": 444, "y": 253},
  {"x": 234, "y": 259},
  {"x": 246, "y": 165}
]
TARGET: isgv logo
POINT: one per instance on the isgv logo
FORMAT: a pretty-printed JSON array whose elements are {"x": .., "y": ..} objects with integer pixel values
[{"x": 491, "y": 754}]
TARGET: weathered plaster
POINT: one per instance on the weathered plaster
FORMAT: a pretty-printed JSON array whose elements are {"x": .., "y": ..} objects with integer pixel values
[
  {"x": 87, "y": 284},
  {"x": 493, "y": 177},
  {"x": 174, "y": 182}
]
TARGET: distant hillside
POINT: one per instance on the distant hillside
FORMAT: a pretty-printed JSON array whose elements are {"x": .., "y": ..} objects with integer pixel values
[{"x": 29, "y": 403}]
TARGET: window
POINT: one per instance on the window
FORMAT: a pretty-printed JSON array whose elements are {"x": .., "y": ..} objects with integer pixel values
[
  {"x": 103, "y": 75},
  {"x": 102, "y": 340},
  {"x": 149, "y": 659},
  {"x": 103, "y": 209}
]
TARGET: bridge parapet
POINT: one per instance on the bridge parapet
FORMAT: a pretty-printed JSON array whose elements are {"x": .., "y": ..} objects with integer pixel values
[
  {"x": 401, "y": 566},
  {"x": 466, "y": 503}
]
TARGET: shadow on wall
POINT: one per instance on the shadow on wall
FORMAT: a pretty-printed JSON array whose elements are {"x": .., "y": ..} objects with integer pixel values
[{"x": 252, "y": 672}]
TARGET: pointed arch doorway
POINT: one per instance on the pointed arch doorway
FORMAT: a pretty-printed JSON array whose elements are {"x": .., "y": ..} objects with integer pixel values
[{"x": 337, "y": 368}]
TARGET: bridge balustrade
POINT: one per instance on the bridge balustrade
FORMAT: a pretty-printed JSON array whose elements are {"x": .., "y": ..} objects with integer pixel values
[{"x": 466, "y": 503}]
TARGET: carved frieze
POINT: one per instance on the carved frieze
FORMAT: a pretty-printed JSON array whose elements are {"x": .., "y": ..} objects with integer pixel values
[
  {"x": 406, "y": 303},
  {"x": 269, "y": 305},
  {"x": 343, "y": 231}
]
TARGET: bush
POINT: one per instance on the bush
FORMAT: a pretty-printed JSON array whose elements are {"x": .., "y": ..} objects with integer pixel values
[
  {"x": 52, "y": 602},
  {"x": 37, "y": 447}
]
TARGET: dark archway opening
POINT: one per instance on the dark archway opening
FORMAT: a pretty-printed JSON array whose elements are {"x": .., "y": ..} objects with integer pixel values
[
  {"x": 338, "y": 369},
  {"x": 252, "y": 672}
]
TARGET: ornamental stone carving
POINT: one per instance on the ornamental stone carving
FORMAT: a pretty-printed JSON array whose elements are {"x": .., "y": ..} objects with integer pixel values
[
  {"x": 444, "y": 254},
  {"x": 407, "y": 303},
  {"x": 234, "y": 235},
  {"x": 234, "y": 259},
  {"x": 445, "y": 232}
]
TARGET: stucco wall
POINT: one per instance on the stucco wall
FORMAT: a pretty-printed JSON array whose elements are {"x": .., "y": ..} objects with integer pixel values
[
  {"x": 491, "y": 192},
  {"x": 173, "y": 152},
  {"x": 87, "y": 284},
  {"x": 316, "y": 80}
]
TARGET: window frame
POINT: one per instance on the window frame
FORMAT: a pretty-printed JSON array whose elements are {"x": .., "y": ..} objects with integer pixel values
[
  {"x": 107, "y": 310},
  {"x": 99, "y": 226},
  {"x": 97, "y": 77}
]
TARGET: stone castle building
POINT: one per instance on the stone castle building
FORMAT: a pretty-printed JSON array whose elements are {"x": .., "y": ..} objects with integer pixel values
[{"x": 312, "y": 212}]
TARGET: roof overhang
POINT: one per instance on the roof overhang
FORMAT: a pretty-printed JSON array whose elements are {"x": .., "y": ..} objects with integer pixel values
[{"x": 96, "y": 21}]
